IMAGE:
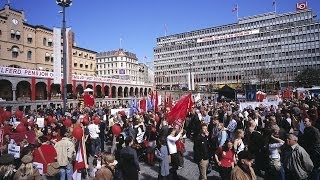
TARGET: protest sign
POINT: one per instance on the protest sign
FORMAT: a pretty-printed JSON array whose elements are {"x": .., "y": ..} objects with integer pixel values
[
  {"x": 14, "y": 150},
  {"x": 40, "y": 122}
]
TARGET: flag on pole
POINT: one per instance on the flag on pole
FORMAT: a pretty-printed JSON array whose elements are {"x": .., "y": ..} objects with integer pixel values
[
  {"x": 149, "y": 104},
  {"x": 133, "y": 107},
  {"x": 236, "y": 9},
  {"x": 143, "y": 105},
  {"x": 80, "y": 162},
  {"x": 156, "y": 102},
  {"x": 274, "y": 4},
  {"x": 165, "y": 100},
  {"x": 170, "y": 103},
  {"x": 179, "y": 111}
]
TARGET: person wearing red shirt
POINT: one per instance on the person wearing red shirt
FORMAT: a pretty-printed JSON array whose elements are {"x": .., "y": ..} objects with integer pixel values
[
  {"x": 225, "y": 157},
  {"x": 49, "y": 153}
]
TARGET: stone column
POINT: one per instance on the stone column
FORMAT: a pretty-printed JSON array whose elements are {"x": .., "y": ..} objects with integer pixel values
[{"x": 14, "y": 95}]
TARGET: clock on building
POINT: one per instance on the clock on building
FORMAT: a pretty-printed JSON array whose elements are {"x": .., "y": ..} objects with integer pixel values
[{"x": 15, "y": 21}]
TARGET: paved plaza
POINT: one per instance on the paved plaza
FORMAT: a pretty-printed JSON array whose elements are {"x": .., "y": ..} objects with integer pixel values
[{"x": 190, "y": 170}]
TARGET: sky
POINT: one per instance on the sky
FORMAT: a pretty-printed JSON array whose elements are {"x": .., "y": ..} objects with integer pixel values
[{"x": 100, "y": 24}]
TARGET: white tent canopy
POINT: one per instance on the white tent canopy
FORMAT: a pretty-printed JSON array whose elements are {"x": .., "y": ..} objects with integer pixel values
[{"x": 88, "y": 90}]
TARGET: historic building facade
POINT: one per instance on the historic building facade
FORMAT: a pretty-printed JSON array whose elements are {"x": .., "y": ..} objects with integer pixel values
[
  {"x": 26, "y": 66},
  {"x": 281, "y": 44}
]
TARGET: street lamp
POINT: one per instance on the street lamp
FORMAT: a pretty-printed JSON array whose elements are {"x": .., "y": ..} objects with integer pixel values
[{"x": 64, "y": 4}]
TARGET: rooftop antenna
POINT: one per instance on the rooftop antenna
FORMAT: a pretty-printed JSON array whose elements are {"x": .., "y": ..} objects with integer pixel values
[{"x": 120, "y": 43}]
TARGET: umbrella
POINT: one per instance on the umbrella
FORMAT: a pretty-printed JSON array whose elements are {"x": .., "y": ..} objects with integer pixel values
[{"x": 88, "y": 90}]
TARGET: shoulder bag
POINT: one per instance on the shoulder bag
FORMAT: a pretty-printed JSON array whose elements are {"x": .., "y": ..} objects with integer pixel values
[{"x": 52, "y": 168}]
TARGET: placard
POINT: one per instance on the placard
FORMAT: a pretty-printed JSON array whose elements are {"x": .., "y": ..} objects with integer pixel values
[
  {"x": 14, "y": 150},
  {"x": 115, "y": 111},
  {"x": 40, "y": 122},
  {"x": 39, "y": 166}
]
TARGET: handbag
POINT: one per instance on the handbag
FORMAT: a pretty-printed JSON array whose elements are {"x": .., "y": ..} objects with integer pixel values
[{"x": 52, "y": 168}]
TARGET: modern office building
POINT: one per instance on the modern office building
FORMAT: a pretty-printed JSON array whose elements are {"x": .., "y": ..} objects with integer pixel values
[{"x": 281, "y": 44}]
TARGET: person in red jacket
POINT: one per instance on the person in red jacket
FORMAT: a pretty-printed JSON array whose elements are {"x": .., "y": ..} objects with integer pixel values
[{"x": 49, "y": 155}]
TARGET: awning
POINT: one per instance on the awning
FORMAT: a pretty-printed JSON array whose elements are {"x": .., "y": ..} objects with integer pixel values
[
  {"x": 12, "y": 31},
  {"x": 49, "y": 40},
  {"x": 18, "y": 33},
  {"x": 47, "y": 55},
  {"x": 15, "y": 49},
  {"x": 29, "y": 36}
]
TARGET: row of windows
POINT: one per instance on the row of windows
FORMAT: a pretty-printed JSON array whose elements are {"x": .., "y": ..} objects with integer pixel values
[
  {"x": 195, "y": 68},
  {"x": 81, "y": 54},
  {"x": 122, "y": 71},
  {"x": 250, "y": 41},
  {"x": 110, "y": 59},
  {"x": 108, "y": 65},
  {"x": 81, "y": 65},
  {"x": 228, "y": 28},
  {"x": 200, "y": 60},
  {"x": 280, "y": 72}
]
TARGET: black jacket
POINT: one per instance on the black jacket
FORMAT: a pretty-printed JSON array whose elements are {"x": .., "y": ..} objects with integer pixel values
[
  {"x": 129, "y": 163},
  {"x": 201, "y": 148}
]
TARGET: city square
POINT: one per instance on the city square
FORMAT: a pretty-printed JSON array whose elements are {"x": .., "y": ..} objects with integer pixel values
[{"x": 122, "y": 90}]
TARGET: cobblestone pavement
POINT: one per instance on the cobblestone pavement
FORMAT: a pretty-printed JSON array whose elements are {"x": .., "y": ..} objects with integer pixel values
[{"x": 190, "y": 170}]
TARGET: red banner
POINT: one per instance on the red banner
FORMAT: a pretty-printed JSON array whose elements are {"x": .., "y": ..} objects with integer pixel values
[{"x": 88, "y": 100}]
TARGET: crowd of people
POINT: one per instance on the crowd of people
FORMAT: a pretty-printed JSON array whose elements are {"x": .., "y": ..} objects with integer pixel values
[{"x": 280, "y": 142}]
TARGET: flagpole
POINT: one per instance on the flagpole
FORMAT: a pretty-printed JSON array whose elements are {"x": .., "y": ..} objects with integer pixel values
[
  {"x": 275, "y": 6},
  {"x": 165, "y": 29},
  {"x": 237, "y": 12},
  {"x": 120, "y": 43}
]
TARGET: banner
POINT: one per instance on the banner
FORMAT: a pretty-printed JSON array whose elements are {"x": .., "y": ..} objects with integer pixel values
[
  {"x": 115, "y": 111},
  {"x": 14, "y": 150},
  {"x": 68, "y": 55},
  {"x": 57, "y": 56}
]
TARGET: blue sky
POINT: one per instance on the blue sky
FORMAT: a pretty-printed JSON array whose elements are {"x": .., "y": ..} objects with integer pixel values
[{"x": 99, "y": 24}]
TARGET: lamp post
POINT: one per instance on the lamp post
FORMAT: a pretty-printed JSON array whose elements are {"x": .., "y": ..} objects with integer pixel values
[{"x": 64, "y": 4}]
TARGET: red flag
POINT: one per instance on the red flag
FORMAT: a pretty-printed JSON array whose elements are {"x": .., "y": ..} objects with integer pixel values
[
  {"x": 156, "y": 103},
  {"x": 165, "y": 100},
  {"x": 143, "y": 105},
  {"x": 179, "y": 111},
  {"x": 170, "y": 102},
  {"x": 80, "y": 162},
  {"x": 88, "y": 100},
  {"x": 152, "y": 96}
]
